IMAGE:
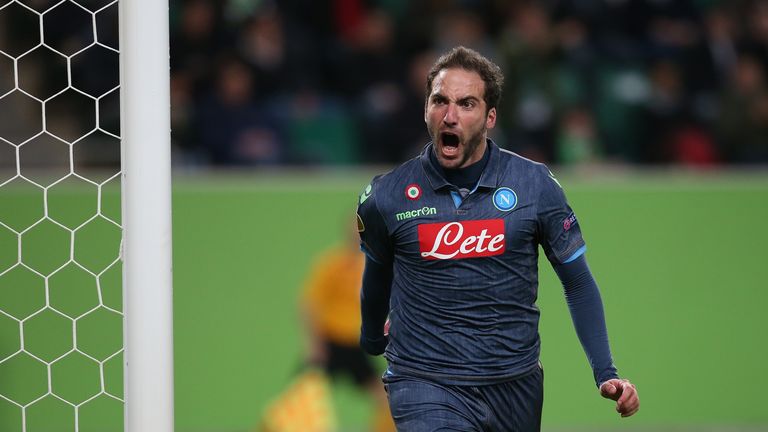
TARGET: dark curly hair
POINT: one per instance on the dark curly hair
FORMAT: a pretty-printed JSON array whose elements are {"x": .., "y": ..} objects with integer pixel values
[{"x": 471, "y": 60}]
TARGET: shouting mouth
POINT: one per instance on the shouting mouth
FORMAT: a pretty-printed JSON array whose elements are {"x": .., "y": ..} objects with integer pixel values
[{"x": 450, "y": 144}]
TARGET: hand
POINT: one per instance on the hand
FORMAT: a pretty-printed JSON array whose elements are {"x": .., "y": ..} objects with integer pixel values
[
  {"x": 624, "y": 393},
  {"x": 375, "y": 346}
]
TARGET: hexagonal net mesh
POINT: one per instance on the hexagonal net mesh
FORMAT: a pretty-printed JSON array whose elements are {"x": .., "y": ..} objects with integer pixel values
[{"x": 61, "y": 307}]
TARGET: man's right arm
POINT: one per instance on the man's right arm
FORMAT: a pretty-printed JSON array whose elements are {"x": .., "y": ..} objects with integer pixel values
[
  {"x": 375, "y": 242},
  {"x": 374, "y": 305}
]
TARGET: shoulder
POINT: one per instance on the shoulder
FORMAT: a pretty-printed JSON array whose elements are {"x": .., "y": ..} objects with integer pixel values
[
  {"x": 404, "y": 173},
  {"x": 530, "y": 176},
  {"x": 380, "y": 188},
  {"x": 513, "y": 162}
]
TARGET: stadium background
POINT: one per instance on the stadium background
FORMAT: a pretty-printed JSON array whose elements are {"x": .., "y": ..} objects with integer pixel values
[{"x": 653, "y": 114}]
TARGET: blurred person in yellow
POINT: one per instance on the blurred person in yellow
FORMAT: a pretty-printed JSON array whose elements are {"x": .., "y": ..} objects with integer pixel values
[
  {"x": 304, "y": 406},
  {"x": 330, "y": 306}
]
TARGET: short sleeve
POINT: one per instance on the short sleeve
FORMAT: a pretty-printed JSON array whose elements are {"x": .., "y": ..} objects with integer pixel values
[
  {"x": 374, "y": 236},
  {"x": 559, "y": 231}
]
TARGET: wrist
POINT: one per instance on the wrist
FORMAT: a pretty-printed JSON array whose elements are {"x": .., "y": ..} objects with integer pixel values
[{"x": 375, "y": 345}]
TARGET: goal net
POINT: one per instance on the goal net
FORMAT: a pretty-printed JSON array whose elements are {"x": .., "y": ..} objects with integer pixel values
[{"x": 61, "y": 224}]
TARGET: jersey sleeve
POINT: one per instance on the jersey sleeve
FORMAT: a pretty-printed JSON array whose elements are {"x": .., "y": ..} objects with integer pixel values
[
  {"x": 559, "y": 231},
  {"x": 586, "y": 307},
  {"x": 375, "y": 241}
]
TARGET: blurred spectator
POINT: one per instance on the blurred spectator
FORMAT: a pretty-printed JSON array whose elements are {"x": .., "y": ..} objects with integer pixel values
[
  {"x": 743, "y": 123},
  {"x": 708, "y": 64},
  {"x": 756, "y": 40},
  {"x": 330, "y": 310},
  {"x": 665, "y": 109},
  {"x": 528, "y": 57},
  {"x": 320, "y": 130},
  {"x": 463, "y": 27},
  {"x": 230, "y": 126},
  {"x": 197, "y": 41},
  {"x": 691, "y": 145},
  {"x": 577, "y": 141},
  {"x": 410, "y": 133},
  {"x": 263, "y": 46},
  {"x": 577, "y": 61},
  {"x": 672, "y": 27},
  {"x": 373, "y": 74}
]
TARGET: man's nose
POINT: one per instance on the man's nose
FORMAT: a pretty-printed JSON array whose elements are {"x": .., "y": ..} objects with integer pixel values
[{"x": 451, "y": 115}]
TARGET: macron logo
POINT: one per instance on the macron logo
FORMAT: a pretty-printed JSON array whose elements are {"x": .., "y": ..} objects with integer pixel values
[{"x": 459, "y": 240}]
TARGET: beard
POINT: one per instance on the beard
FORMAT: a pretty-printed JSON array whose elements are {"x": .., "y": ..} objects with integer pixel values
[{"x": 456, "y": 151}]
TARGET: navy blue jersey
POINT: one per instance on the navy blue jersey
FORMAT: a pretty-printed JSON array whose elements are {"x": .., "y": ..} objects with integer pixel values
[{"x": 462, "y": 304}]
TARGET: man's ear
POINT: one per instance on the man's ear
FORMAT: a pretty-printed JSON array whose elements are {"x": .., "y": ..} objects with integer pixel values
[{"x": 490, "y": 119}]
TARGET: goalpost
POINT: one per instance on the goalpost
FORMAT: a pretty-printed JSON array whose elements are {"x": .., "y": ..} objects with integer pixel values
[
  {"x": 86, "y": 341},
  {"x": 146, "y": 162}
]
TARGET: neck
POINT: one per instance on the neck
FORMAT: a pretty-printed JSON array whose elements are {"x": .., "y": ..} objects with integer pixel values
[{"x": 467, "y": 176}]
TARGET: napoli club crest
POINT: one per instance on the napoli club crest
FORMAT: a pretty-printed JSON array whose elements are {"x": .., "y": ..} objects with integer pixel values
[{"x": 504, "y": 199}]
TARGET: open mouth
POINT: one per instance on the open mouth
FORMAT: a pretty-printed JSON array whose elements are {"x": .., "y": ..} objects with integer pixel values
[
  {"x": 449, "y": 148},
  {"x": 449, "y": 139}
]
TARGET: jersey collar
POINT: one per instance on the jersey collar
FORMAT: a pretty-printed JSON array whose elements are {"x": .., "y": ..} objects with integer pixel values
[{"x": 488, "y": 179}]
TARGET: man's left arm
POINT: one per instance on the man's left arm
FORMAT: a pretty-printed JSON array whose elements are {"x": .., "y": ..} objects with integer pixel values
[
  {"x": 561, "y": 239},
  {"x": 586, "y": 307}
]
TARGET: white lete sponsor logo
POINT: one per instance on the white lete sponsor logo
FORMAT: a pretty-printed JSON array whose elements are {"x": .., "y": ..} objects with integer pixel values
[{"x": 459, "y": 240}]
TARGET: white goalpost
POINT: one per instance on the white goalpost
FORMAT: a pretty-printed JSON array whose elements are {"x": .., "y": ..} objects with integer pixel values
[
  {"x": 86, "y": 323},
  {"x": 146, "y": 162}
]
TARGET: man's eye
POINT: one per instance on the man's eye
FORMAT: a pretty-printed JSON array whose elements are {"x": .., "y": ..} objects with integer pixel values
[{"x": 467, "y": 104}]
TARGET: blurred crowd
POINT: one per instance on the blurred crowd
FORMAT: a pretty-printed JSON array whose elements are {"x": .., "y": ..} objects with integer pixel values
[
  {"x": 587, "y": 81},
  {"x": 338, "y": 82}
]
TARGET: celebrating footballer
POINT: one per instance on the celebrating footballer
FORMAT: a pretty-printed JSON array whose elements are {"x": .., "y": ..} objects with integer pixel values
[{"x": 451, "y": 241}]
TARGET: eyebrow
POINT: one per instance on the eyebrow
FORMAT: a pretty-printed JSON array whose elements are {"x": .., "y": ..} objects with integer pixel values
[
  {"x": 439, "y": 96},
  {"x": 467, "y": 99}
]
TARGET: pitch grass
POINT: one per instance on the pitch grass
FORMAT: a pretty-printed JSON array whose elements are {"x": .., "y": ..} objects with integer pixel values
[{"x": 680, "y": 262}]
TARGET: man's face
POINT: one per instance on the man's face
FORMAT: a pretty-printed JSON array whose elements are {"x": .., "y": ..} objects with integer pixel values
[{"x": 456, "y": 117}]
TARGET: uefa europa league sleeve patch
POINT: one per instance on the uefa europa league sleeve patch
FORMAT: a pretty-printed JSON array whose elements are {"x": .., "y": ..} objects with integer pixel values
[{"x": 569, "y": 221}]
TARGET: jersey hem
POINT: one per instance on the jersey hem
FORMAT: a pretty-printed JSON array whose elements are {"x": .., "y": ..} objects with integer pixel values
[{"x": 450, "y": 379}]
